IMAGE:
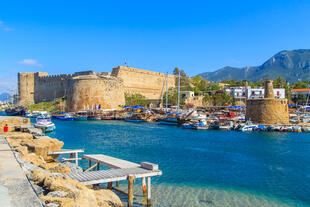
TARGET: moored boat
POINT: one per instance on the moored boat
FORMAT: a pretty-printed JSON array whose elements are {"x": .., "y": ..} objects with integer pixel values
[
  {"x": 46, "y": 125},
  {"x": 66, "y": 117},
  {"x": 80, "y": 116}
]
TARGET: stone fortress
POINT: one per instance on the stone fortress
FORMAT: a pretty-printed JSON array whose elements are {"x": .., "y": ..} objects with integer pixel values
[
  {"x": 268, "y": 110},
  {"x": 87, "y": 89}
]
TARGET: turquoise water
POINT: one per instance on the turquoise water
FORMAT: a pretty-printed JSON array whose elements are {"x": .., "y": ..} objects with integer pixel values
[{"x": 203, "y": 168}]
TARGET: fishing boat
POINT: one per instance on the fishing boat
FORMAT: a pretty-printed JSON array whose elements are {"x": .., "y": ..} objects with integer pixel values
[
  {"x": 106, "y": 117},
  {"x": 66, "y": 117},
  {"x": 80, "y": 116},
  {"x": 94, "y": 117},
  {"x": 46, "y": 125},
  {"x": 249, "y": 127},
  {"x": 172, "y": 119},
  {"x": 305, "y": 129},
  {"x": 135, "y": 117},
  {"x": 16, "y": 111}
]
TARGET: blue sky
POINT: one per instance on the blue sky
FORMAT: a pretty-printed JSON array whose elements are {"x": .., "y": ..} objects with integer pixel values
[{"x": 197, "y": 36}]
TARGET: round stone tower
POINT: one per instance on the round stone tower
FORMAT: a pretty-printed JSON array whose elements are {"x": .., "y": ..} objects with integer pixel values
[{"x": 267, "y": 110}]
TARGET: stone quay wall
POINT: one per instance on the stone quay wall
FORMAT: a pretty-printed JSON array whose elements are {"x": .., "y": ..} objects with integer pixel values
[
  {"x": 267, "y": 111},
  {"x": 150, "y": 84}
]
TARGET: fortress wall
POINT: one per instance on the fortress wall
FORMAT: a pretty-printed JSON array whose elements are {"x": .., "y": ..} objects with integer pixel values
[
  {"x": 267, "y": 111},
  {"x": 148, "y": 83},
  {"x": 26, "y": 88},
  {"x": 91, "y": 90},
  {"x": 48, "y": 87}
]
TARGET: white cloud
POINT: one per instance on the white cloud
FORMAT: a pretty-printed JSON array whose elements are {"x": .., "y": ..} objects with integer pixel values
[
  {"x": 5, "y": 28},
  {"x": 30, "y": 62},
  {"x": 8, "y": 29}
]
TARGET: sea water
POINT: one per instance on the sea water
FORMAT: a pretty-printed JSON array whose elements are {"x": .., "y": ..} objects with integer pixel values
[{"x": 203, "y": 168}]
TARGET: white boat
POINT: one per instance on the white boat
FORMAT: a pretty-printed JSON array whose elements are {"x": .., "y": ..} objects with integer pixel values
[
  {"x": 249, "y": 127},
  {"x": 45, "y": 124}
]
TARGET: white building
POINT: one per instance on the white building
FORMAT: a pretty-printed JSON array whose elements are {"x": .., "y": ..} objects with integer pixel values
[{"x": 252, "y": 93}]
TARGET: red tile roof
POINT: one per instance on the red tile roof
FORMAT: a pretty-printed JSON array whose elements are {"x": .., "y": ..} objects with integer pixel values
[{"x": 301, "y": 90}]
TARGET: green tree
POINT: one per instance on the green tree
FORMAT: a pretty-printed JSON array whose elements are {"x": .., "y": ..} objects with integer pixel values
[
  {"x": 173, "y": 97},
  {"x": 136, "y": 100},
  {"x": 279, "y": 83}
]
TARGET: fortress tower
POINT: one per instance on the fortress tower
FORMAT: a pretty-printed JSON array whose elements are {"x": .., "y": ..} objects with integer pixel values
[{"x": 267, "y": 110}]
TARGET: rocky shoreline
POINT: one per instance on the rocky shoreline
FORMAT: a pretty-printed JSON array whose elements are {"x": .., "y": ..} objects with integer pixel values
[{"x": 46, "y": 174}]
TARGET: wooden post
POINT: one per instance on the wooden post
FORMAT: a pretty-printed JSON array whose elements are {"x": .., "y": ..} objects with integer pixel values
[
  {"x": 76, "y": 159},
  {"x": 71, "y": 156},
  {"x": 131, "y": 179},
  {"x": 148, "y": 191},
  {"x": 144, "y": 188},
  {"x": 98, "y": 168},
  {"x": 117, "y": 184},
  {"x": 110, "y": 185},
  {"x": 89, "y": 163}
]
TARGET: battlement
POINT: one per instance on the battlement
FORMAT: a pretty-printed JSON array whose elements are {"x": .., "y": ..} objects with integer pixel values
[
  {"x": 55, "y": 77},
  {"x": 119, "y": 69}
]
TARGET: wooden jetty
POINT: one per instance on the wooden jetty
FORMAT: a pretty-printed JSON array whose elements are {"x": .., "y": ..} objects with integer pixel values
[
  {"x": 119, "y": 170},
  {"x": 71, "y": 152}
]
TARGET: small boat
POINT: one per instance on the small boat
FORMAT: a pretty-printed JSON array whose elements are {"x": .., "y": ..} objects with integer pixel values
[
  {"x": 17, "y": 111},
  {"x": 189, "y": 126},
  {"x": 297, "y": 129},
  {"x": 66, "y": 117},
  {"x": 172, "y": 119},
  {"x": 305, "y": 129},
  {"x": 106, "y": 117},
  {"x": 80, "y": 116},
  {"x": 135, "y": 117},
  {"x": 93, "y": 118},
  {"x": 46, "y": 125}
]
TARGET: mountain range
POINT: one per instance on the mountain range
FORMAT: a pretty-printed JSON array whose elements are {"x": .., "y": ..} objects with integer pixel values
[{"x": 293, "y": 66}]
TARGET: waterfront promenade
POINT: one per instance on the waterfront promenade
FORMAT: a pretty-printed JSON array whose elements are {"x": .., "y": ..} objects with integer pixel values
[{"x": 15, "y": 189}]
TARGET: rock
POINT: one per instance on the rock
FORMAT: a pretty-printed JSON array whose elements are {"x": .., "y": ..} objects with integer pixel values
[
  {"x": 73, "y": 167},
  {"x": 59, "y": 194},
  {"x": 60, "y": 169},
  {"x": 78, "y": 195},
  {"x": 52, "y": 205},
  {"x": 34, "y": 159},
  {"x": 38, "y": 189},
  {"x": 22, "y": 150},
  {"x": 42, "y": 147}
]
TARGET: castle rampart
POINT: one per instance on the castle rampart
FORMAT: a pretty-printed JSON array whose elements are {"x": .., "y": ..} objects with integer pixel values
[
  {"x": 148, "y": 83},
  {"x": 86, "y": 88}
]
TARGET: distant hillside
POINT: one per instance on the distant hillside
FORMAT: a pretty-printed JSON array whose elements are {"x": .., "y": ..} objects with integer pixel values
[
  {"x": 5, "y": 97},
  {"x": 291, "y": 65}
]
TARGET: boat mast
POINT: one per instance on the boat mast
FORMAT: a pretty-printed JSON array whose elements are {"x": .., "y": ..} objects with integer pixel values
[
  {"x": 167, "y": 92},
  {"x": 178, "y": 92}
]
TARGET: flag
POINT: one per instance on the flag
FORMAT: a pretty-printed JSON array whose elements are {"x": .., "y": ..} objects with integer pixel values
[
  {"x": 99, "y": 107},
  {"x": 92, "y": 107},
  {"x": 96, "y": 107}
]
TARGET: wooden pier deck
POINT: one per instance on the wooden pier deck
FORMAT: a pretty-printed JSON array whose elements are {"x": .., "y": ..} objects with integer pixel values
[{"x": 120, "y": 170}]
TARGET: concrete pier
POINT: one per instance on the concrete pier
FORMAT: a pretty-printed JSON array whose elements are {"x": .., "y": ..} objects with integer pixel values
[{"x": 15, "y": 189}]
